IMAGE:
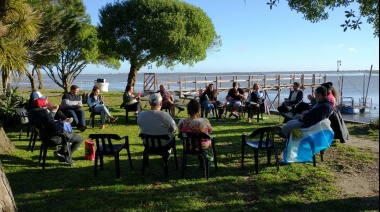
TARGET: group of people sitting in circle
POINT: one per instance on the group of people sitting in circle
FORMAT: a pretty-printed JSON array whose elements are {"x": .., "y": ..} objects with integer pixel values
[{"x": 50, "y": 119}]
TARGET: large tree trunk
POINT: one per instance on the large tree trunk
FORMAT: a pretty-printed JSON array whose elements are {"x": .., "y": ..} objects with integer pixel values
[
  {"x": 31, "y": 79},
  {"x": 40, "y": 78},
  {"x": 7, "y": 202},
  {"x": 132, "y": 75}
]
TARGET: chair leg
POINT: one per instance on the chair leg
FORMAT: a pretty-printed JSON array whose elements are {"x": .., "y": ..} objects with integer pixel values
[
  {"x": 215, "y": 158},
  {"x": 175, "y": 156},
  {"x": 96, "y": 164},
  {"x": 256, "y": 156},
  {"x": 269, "y": 154},
  {"x": 206, "y": 166},
  {"x": 184, "y": 163},
  {"x": 144, "y": 163},
  {"x": 165, "y": 159},
  {"x": 322, "y": 152},
  {"x": 101, "y": 162},
  {"x": 126, "y": 116},
  {"x": 129, "y": 156},
  {"x": 242, "y": 156},
  {"x": 277, "y": 161},
  {"x": 117, "y": 165},
  {"x": 44, "y": 157},
  {"x": 314, "y": 162}
]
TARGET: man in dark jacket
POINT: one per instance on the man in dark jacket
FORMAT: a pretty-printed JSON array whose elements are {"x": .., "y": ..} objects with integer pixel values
[
  {"x": 295, "y": 97},
  {"x": 319, "y": 112},
  {"x": 43, "y": 120},
  {"x": 71, "y": 106}
]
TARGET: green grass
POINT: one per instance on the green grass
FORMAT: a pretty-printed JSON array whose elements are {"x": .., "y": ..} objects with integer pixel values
[{"x": 295, "y": 187}]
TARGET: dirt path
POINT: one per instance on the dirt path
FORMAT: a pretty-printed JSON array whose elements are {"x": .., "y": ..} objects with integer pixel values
[{"x": 359, "y": 179}]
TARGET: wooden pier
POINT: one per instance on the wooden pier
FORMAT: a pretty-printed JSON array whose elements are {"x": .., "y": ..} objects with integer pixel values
[{"x": 185, "y": 86}]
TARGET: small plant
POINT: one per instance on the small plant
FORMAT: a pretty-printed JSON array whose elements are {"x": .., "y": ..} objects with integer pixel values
[{"x": 8, "y": 107}]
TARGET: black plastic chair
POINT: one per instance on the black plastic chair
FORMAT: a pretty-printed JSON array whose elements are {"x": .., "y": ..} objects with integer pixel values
[
  {"x": 266, "y": 141},
  {"x": 192, "y": 145},
  {"x": 46, "y": 144},
  {"x": 104, "y": 147},
  {"x": 33, "y": 138},
  {"x": 153, "y": 145},
  {"x": 24, "y": 121}
]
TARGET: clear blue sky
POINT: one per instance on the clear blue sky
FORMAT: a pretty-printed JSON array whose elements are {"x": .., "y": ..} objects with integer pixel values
[{"x": 257, "y": 39}]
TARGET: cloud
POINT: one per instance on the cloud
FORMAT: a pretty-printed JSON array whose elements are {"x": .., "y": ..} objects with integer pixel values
[{"x": 351, "y": 49}]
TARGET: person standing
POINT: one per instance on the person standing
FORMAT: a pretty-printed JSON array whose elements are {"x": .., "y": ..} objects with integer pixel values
[
  {"x": 71, "y": 106},
  {"x": 96, "y": 103},
  {"x": 156, "y": 122},
  {"x": 208, "y": 100}
]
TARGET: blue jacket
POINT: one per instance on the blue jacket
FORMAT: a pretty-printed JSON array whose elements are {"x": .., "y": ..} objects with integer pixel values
[{"x": 319, "y": 112}]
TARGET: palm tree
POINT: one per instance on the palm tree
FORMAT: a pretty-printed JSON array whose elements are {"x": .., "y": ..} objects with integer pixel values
[{"x": 18, "y": 25}]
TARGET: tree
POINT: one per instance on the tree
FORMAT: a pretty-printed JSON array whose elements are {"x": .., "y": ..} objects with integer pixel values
[
  {"x": 166, "y": 32},
  {"x": 75, "y": 47},
  {"x": 316, "y": 11},
  {"x": 18, "y": 25}
]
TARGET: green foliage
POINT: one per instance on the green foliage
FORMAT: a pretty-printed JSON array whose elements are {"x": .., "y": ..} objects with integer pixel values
[
  {"x": 8, "y": 107},
  {"x": 316, "y": 11},
  {"x": 166, "y": 32}
]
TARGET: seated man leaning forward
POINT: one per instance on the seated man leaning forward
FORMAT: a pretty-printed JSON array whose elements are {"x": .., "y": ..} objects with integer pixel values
[
  {"x": 71, "y": 106},
  {"x": 156, "y": 122},
  {"x": 168, "y": 101},
  {"x": 319, "y": 112},
  {"x": 234, "y": 97}
]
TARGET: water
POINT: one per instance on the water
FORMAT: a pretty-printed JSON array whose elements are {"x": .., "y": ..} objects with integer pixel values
[{"x": 353, "y": 86}]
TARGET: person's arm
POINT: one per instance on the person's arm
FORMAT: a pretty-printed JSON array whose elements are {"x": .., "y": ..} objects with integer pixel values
[
  {"x": 242, "y": 94},
  {"x": 92, "y": 103}
]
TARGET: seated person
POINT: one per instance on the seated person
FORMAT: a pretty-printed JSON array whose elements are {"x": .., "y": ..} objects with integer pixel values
[
  {"x": 194, "y": 124},
  {"x": 254, "y": 101},
  {"x": 319, "y": 112},
  {"x": 156, "y": 122},
  {"x": 71, "y": 106},
  {"x": 168, "y": 101},
  {"x": 234, "y": 97},
  {"x": 330, "y": 95},
  {"x": 44, "y": 122},
  {"x": 208, "y": 100},
  {"x": 96, "y": 102},
  {"x": 37, "y": 98},
  {"x": 295, "y": 97},
  {"x": 131, "y": 101}
]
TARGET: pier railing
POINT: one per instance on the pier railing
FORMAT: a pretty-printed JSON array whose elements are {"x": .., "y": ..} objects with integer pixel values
[{"x": 190, "y": 85}]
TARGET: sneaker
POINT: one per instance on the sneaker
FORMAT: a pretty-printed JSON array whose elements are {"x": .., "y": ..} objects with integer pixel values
[
  {"x": 69, "y": 120},
  {"x": 180, "y": 109},
  {"x": 61, "y": 158},
  {"x": 113, "y": 119},
  {"x": 211, "y": 115},
  {"x": 82, "y": 128}
]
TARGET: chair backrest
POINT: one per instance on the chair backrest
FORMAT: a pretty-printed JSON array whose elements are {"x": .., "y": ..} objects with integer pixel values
[
  {"x": 193, "y": 142},
  {"x": 104, "y": 142},
  {"x": 266, "y": 134},
  {"x": 154, "y": 143},
  {"x": 23, "y": 114}
]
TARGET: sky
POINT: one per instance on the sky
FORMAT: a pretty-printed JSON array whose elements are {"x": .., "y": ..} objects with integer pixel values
[{"x": 257, "y": 39}]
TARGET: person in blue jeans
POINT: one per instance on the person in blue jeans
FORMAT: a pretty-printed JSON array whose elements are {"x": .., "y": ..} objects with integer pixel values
[
  {"x": 71, "y": 106},
  {"x": 208, "y": 100},
  {"x": 96, "y": 103}
]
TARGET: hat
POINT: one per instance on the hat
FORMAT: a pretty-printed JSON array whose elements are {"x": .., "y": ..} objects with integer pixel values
[
  {"x": 37, "y": 94},
  {"x": 40, "y": 102},
  {"x": 155, "y": 99}
]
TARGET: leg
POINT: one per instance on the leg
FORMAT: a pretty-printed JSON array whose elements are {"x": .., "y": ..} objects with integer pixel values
[
  {"x": 293, "y": 124},
  {"x": 80, "y": 117},
  {"x": 71, "y": 113}
]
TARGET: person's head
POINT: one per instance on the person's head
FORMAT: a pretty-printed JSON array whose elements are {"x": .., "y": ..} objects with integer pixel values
[
  {"x": 155, "y": 101},
  {"x": 210, "y": 87},
  {"x": 162, "y": 88},
  {"x": 129, "y": 88},
  {"x": 235, "y": 85},
  {"x": 256, "y": 86},
  {"x": 327, "y": 85},
  {"x": 74, "y": 89},
  {"x": 95, "y": 90},
  {"x": 320, "y": 93},
  {"x": 296, "y": 86},
  {"x": 193, "y": 108}
]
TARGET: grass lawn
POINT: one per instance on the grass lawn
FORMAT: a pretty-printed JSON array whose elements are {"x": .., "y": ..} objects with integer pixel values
[{"x": 296, "y": 187}]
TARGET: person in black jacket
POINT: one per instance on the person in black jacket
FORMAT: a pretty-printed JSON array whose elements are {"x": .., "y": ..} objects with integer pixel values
[
  {"x": 320, "y": 111},
  {"x": 43, "y": 120},
  {"x": 71, "y": 106},
  {"x": 295, "y": 97},
  {"x": 208, "y": 100},
  {"x": 255, "y": 101}
]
